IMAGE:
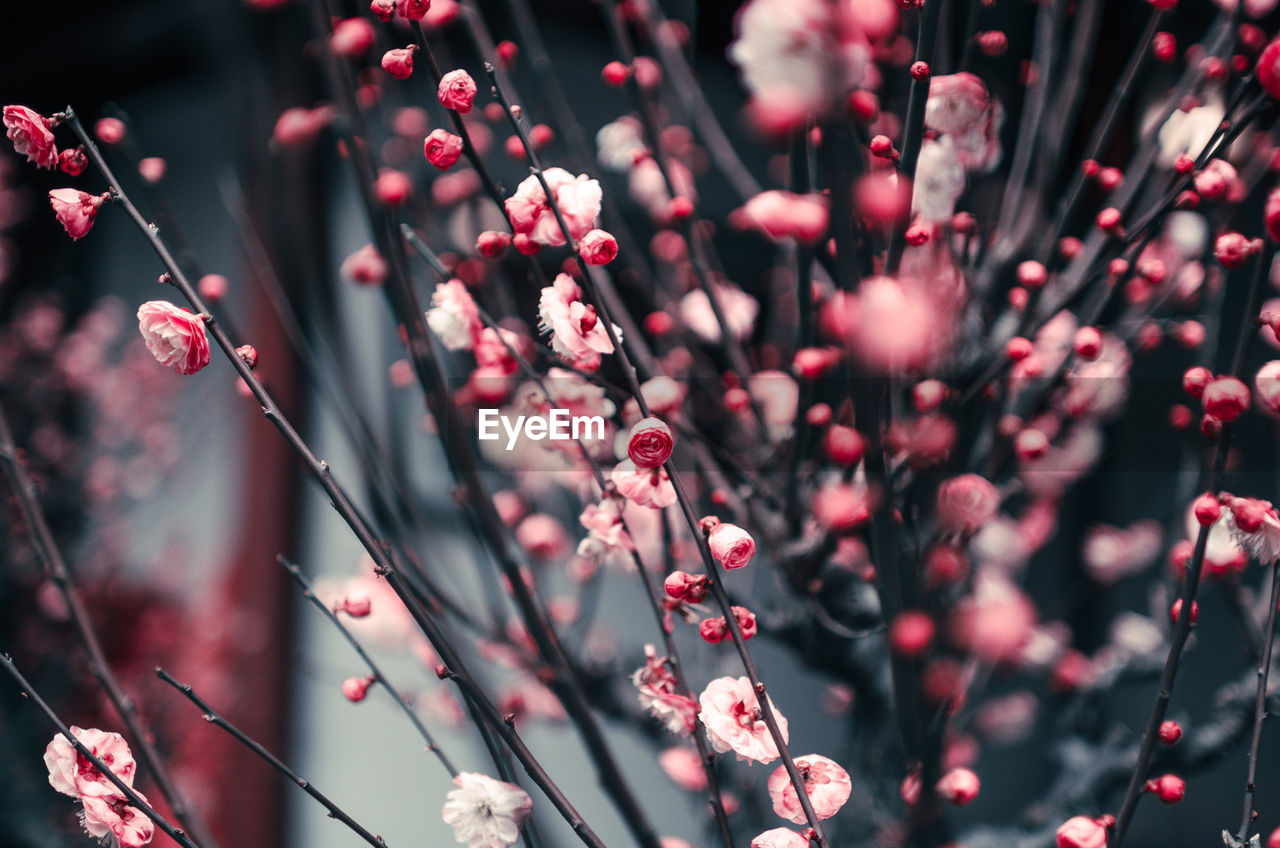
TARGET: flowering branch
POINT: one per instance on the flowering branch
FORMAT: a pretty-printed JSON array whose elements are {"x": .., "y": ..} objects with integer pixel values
[
  {"x": 212, "y": 717},
  {"x": 135, "y": 799},
  {"x": 1260, "y": 706},
  {"x": 60, "y": 576},
  {"x": 310, "y": 595}
]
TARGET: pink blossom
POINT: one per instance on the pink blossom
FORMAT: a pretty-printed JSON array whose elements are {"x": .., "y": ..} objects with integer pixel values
[
  {"x": 297, "y": 126},
  {"x": 738, "y": 308},
  {"x": 442, "y": 148},
  {"x": 1255, "y": 526},
  {"x": 731, "y": 546},
  {"x": 598, "y": 248},
  {"x": 939, "y": 181},
  {"x": 414, "y": 10},
  {"x": 576, "y": 332},
  {"x": 453, "y": 315},
  {"x": 174, "y": 336},
  {"x": 784, "y": 214},
  {"x": 352, "y": 37},
  {"x": 399, "y": 61},
  {"x": 366, "y": 266},
  {"x": 109, "y": 818},
  {"x": 684, "y": 767},
  {"x": 1267, "y": 385},
  {"x": 1081, "y": 832},
  {"x": 457, "y": 91},
  {"x": 1111, "y": 553},
  {"x": 825, "y": 782},
  {"x": 959, "y": 786},
  {"x": 607, "y": 533},
  {"x": 996, "y": 622},
  {"x": 650, "y": 443},
  {"x": 29, "y": 131},
  {"x": 657, "y": 687},
  {"x": 780, "y": 837},
  {"x": 786, "y": 52},
  {"x": 578, "y": 198},
  {"x": 486, "y": 813},
  {"x": 966, "y": 502},
  {"x": 649, "y": 487},
  {"x": 839, "y": 507},
  {"x": 542, "y": 536},
  {"x": 956, "y": 103},
  {"x": 732, "y": 717},
  {"x": 894, "y": 325},
  {"x": 71, "y": 773},
  {"x": 76, "y": 210}
]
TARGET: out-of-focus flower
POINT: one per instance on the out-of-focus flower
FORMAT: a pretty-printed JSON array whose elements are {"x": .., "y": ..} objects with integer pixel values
[
  {"x": 1081, "y": 832},
  {"x": 365, "y": 266},
  {"x": 784, "y": 214},
  {"x": 967, "y": 502},
  {"x": 738, "y": 308},
  {"x": 995, "y": 622},
  {"x": 453, "y": 315},
  {"x": 174, "y": 336},
  {"x": 486, "y": 813},
  {"x": 939, "y": 181},
  {"x": 657, "y": 686},
  {"x": 684, "y": 767}
]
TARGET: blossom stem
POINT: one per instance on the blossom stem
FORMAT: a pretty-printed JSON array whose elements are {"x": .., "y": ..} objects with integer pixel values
[
  {"x": 339, "y": 498},
  {"x": 705, "y": 756},
  {"x": 1191, "y": 581},
  {"x": 136, "y": 800},
  {"x": 913, "y": 132},
  {"x": 214, "y": 718},
  {"x": 1260, "y": 705},
  {"x": 682, "y": 496},
  {"x": 59, "y": 575},
  {"x": 310, "y": 595}
]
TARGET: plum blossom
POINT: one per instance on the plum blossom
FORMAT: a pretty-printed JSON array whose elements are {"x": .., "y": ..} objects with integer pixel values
[
  {"x": 996, "y": 622},
  {"x": 442, "y": 148},
  {"x": 966, "y": 502},
  {"x": 779, "y": 837},
  {"x": 784, "y": 214},
  {"x": 649, "y": 444},
  {"x": 598, "y": 247},
  {"x": 731, "y": 714},
  {"x": 825, "y": 782},
  {"x": 71, "y": 773},
  {"x": 649, "y": 487},
  {"x": 684, "y": 767},
  {"x": 658, "y": 690},
  {"x": 576, "y": 332},
  {"x": 453, "y": 315},
  {"x": 607, "y": 534},
  {"x": 76, "y": 210},
  {"x": 648, "y": 187},
  {"x": 618, "y": 144},
  {"x": 578, "y": 198},
  {"x": 731, "y": 546},
  {"x": 1255, "y": 527},
  {"x": 738, "y": 308},
  {"x": 1186, "y": 132},
  {"x": 29, "y": 131},
  {"x": 486, "y": 813},
  {"x": 457, "y": 91},
  {"x": 1111, "y": 553},
  {"x": 110, "y": 819},
  {"x": 174, "y": 336},
  {"x": 960, "y": 107},
  {"x": 939, "y": 181}
]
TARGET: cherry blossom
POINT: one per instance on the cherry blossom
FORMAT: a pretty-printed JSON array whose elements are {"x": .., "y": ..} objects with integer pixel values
[
  {"x": 731, "y": 546},
  {"x": 486, "y": 813},
  {"x": 578, "y": 198},
  {"x": 577, "y": 333},
  {"x": 71, "y": 773},
  {"x": 76, "y": 210},
  {"x": 738, "y": 308},
  {"x": 657, "y": 688},
  {"x": 779, "y": 837},
  {"x": 650, "y": 443},
  {"x": 649, "y": 487},
  {"x": 457, "y": 91},
  {"x": 116, "y": 823},
  {"x": 731, "y": 714}
]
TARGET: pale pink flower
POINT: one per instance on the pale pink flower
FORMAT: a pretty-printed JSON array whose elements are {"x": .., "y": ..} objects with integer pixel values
[
  {"x": 649, "y": 444},
  {"x": 1255, "y": 526},
  {"x": 649, "y": 487},
  {"x": 1111, "y": 553},
  {"x": 684, "y": 767},
  {"x": 825, "y": 782},
  {"x": 29, "y": 131},
  {"x": 732, "y": 717},
  {"x": 1186, "y": 131},
  {"x": 174, "y": 336},
  {"x": 607, "y": 534},
  {"x": 777, "y": 394},
  {"x": 784, "y": 214},
  {"x": 656, "y": 685},
  {"x": 966, "y": 502},
  {"x": 388, "y": 624},
  {"x": 298, "y": 125},
  {"x": 76, "y": 210},
  {"x": 457, "y": 91},
  {"x": 738, "y": 308},
  {"x": 620, "y": 143},
  {"x": 365, "y": 266},
  {"x": 788, "y": 45},
  {"x": 939, "y": 181},
  {"x": 780, "y": 837},
  {"x": 576, "y": 331},
  {"x": 1267, "y": 385},
  {"x": 578, "y": 198},
  {"x": 647, "y": 186},
  {"x": 71, "y": 773},
  {"x": 486, "y": 813},
  {"x": 957, "y": 103},
  {"x": 893, "y": 325},
  {"x": 453, "y": 315},
  {"x": 110, "y": 819},
  {"x": 996, "y": 622},
  {"x": 732, "y": 546},
  {"x": 839, "y": 507}
]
